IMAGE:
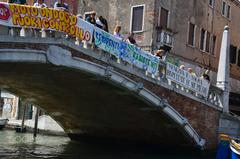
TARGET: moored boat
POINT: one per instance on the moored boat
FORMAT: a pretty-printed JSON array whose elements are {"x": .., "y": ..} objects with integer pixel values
[
  {"x": 223, "y": 147},
  {"x": 3, "y": 122},
  {"x": 235, "y": 149}
]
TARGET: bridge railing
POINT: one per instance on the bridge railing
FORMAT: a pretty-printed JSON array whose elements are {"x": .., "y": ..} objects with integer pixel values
[{"x": 214, "y": 95}]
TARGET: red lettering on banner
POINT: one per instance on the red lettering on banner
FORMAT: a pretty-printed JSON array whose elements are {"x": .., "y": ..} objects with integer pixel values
[{"x": 4, "y": 12}]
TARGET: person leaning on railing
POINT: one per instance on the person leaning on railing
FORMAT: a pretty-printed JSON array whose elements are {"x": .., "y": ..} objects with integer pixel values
[
  {"x": 190, "y": 70},
  {"x": 161, "y": 53},
  {"x": 17, "y": 1},
  {"x": 61, "y": 5},
  {"x": 91, "y": 18},
  {"x": 205, "y": 75},
  {"x": 15, "y": 31},
  {"x": 130, "y": 39},
  {"x": 39, "y": 4},
  {"x": 117, "y": 32}
]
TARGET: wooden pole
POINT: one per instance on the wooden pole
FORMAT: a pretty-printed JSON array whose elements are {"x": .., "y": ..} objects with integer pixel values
[
  {"x": 36, "y": 123},
  {"x": 23, "y": 117}
]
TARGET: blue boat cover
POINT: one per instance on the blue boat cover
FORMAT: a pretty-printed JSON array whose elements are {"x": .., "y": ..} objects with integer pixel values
[
  {"x": 234, "y": 153},
  {"x": 223, "y": 150}
]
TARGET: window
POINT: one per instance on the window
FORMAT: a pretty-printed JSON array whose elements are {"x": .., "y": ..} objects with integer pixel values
[
  {"x": 207, "y": 47},
  {"x": 238, "y": 62},
  {"x": 213, "y": 43},
  {"x": 211, "y": 2},
  {"x": 226, "y": 10},
  {"x": 191, "y": 34},
  {"x": 202, "y": 40},
  {"x": 207, "y": 41},
  {"x": 223, "y": 8},
  {"x": 163, "y": 21},
  {"x": 233, "y": 54},
  {"x": 137, "y": 18}
]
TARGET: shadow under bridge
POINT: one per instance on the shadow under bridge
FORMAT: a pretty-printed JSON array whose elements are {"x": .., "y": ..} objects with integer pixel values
[{"x": 89, "y": 105}]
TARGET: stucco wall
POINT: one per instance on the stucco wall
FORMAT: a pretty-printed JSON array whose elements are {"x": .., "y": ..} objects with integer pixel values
[
  {"x": 180, "y": 14},
  {"x": 119, "y": 13}
]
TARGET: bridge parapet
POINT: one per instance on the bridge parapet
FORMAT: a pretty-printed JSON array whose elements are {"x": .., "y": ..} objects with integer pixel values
[{"x": 213, "y": 97}]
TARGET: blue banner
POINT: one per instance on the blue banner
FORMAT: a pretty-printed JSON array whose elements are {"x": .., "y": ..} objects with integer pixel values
[{"x": 126, "y": 52}]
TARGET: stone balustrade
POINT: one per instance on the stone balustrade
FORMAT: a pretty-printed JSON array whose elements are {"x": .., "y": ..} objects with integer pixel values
[{"x": 214, "y": 97}]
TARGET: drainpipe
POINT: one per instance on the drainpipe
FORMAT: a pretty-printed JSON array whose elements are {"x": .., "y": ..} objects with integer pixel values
[{"x": 223, "y": 69}]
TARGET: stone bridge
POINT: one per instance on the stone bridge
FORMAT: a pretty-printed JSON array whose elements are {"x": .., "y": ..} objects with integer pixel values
[{"x": 91, "y": 93}]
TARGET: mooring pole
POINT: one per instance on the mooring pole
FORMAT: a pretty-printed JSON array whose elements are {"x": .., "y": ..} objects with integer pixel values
[
  {"x": 23, "y": 117},
  {"x": 36, "y": 123}
]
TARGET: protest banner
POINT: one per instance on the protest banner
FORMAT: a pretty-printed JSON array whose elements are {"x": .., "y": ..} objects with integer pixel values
[
  {"x": 126, "y": 51},
  {"x": 184, "y": 78},
  {"x": 14, "y": 15}
]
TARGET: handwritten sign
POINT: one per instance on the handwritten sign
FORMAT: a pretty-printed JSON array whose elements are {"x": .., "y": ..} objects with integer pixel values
[{"x": 187, "y": 80}]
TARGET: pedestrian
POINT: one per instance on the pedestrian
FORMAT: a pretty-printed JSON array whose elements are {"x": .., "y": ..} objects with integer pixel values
[
  {"x": 40, "y": 4},
  {"x": 80, "y": 16},
  {"x": 36, "y": 31},
  {"x": 99, "y": 23},
  {"x": 17, "y": 1},
  {"x": 61, "y": 5},
  {"x": 205, "y": 75},
  {"x": 131, "y": 39},
  {"x": 190, "y": 70},
  {"x": 182, "y": 67},
  {"x": 92, "y": 18},
  {"x": 161, "y": 53},
  {"x": 117, "y": 31},
  {"x": 104, "y": 22}
]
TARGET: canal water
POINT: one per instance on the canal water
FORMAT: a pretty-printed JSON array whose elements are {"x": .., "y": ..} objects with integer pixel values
[{"x": 23, "y": 146}]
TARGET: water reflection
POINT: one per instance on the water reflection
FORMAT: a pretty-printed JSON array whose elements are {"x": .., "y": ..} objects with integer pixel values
[
  {"x": 19, "y": 145},
  {"x": 14, "y": 145}
]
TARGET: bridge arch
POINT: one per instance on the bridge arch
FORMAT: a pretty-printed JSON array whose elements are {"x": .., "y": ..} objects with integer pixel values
[{"x": 56, "y": 56}]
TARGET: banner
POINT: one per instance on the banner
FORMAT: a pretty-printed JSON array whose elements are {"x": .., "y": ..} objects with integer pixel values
[
  {"x": 126, "y": 52},
  {"x": 184, "y": 78},
  {"x": 14, "y": 15}
]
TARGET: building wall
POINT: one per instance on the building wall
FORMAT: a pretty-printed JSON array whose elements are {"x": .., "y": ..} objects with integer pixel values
[
  {"x": 181, "y": 13},
  {"x": 212, "y": 20},
  {"x": 119, "y": 13}
]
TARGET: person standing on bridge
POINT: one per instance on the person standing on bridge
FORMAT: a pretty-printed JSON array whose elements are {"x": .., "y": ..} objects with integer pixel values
[
  {"x": 17, "y": 1},
  {"x": 40, "y": 4},
  {"x": 61, "y": 5},
  {"x": 117, "y": 31},
  {"x": 92, "y": 18}
]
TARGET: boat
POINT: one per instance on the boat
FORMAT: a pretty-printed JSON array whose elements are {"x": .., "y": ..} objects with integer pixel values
[
  {"x": 3, "y": 122},
  {"x": 228, "y": 148},
  {"x": 235, "y": 149},
  {"x": 223, "y": 147}
]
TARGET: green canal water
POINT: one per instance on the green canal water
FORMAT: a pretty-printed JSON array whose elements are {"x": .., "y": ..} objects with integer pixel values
[{"x": 23, "y": 146}]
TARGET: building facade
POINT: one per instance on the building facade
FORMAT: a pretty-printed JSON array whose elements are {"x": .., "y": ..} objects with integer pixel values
[
  {"x": 190, "y": 30},
  {"x": 12, "y": 108}
]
